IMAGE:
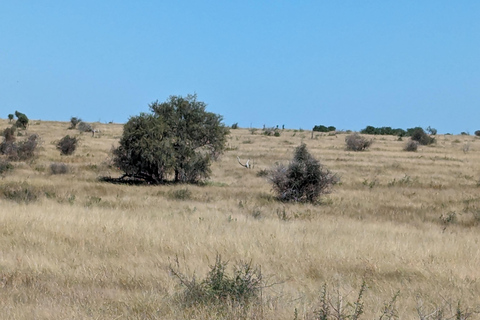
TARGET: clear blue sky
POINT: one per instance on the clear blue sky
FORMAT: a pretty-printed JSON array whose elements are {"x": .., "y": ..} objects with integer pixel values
[{"x": 299, "y": 63}]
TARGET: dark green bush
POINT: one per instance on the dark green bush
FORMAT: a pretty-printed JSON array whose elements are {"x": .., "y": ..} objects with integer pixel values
[
  {"x": 67, "y": 145},
  {"x": 235, "y": 125},
  {"x": 422, "y": 137},
  {"x": 22, "y": 120},
  {"x": 10, "y": 117},
  {"x": 179, "y": 138},
  {"x": 303, "y": 180},
  {"x": 356, "y": 142},
  {"x": 477, "y": 133},
  {"x": 322, "y": 128}
]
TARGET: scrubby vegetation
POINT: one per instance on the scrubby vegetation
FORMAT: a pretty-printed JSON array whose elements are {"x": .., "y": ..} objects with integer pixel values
[
  {"x": 396, "y": 240},
  {"x": 322, "y": 128},
  {"x": 356, "y": 142}
]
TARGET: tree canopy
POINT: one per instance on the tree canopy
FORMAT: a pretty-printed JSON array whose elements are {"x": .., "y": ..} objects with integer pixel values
[{"x": 177, "y": 139}]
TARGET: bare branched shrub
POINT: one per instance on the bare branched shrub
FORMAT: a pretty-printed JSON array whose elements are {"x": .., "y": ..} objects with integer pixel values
[
  {"x": 20, "y": 151},
  {"x": 58, "y": 168},
  {"x": 411, "y": 145},
  {"x": 67, "y": 145},
  {"x": 356, "y": 142},
  {"x": 303, "y": 180},
  {"x": 9, "y": 134}
]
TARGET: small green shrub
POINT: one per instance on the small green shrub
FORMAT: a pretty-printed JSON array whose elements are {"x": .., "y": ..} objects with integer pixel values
[
  {"x": 303, "y": 180},
  {"x": 235, "y": 125},
  {"x": 220, "y": 289},
  {"x": 477, "y": 133},
  {"x": 58, "y": 168},
  {"x": 67, "y": 145},
  {"x": 10, "y": 117},
  {"x": 356, "y": 142}
]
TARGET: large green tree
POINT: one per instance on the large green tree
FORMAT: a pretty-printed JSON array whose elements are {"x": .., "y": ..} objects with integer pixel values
[{"x": 176, "y": 140}]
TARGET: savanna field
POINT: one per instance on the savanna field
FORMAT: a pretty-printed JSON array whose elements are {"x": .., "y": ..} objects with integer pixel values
[{"x": 404, "y": 226}]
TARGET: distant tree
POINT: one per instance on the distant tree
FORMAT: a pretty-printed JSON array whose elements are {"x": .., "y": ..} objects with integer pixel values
[
  {"x": 178, "y": 138},
  {"x": 22, "y": 120},
  {"x": 477, "y": 133},
  {"x": 235, "y": 125},
  {"x": 74, "y": 121},
  {"x": 422, "y": 137},
  {"x": 303, "y": 180},
  {"x": 10, "y": 117},
  {"x": 322, "y": 128}
]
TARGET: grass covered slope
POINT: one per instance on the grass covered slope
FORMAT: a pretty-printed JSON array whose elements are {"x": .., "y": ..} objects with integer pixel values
[{"x": 77, "y": 248}]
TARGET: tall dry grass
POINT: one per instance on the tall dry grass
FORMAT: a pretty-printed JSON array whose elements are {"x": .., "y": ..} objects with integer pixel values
[{"x": 83, "y": 249}]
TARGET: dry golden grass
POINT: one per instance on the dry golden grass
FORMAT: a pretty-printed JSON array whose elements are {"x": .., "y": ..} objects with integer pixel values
[{"x": 84, "y": 249}]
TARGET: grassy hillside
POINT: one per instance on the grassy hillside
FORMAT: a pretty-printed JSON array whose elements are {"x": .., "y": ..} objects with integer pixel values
[{"x": 78, "y": 248}]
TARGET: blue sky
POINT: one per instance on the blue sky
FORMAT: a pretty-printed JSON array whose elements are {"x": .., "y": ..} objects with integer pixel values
[{"x": 295, "y": 63}]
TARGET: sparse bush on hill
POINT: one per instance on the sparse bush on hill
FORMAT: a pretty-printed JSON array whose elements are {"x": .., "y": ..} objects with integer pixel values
[
  {"x": 477, "y": 133},
  {"x": 303, "y": 180},
  {"x": 20, "y": 151},
  {"x": 235, "y": 125},
  {"x": 356, "y": 142},
  {"x": 20, "y": 192},
  {"x": 74, "y": 121},
  {"x": 9, "y": 134},
  {"x": 422, "y": 137},
  {"x": 271, "y": 132},
  {"x": 178, "y": 138},
  {"x": 67, "y": 145},
  {"x": 10, "y": 117},
  {"x": 84, "y": 127},
  {"x": 411, "y": 145}
]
